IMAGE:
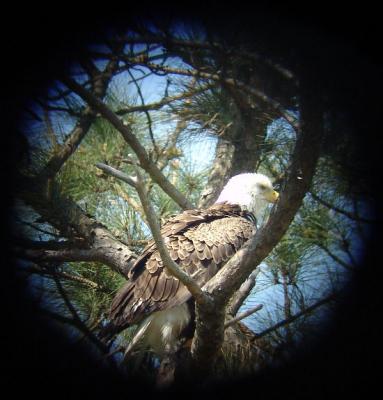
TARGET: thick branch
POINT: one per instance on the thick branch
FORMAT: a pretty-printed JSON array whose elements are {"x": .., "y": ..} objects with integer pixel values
[
  {"x": 69, "y": 146},
  {"x": 63, "y": 255},
  {"x": 133, "y": 142},
  {"x": 223, "y": 285},
  {"x": 66, "y": 216}
]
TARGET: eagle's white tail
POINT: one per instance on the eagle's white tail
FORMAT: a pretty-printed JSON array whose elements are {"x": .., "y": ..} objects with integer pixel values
[{"x": 161, "y": 330}]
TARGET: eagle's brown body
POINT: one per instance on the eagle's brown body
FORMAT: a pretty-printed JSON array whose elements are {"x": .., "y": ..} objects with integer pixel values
[{"x": 200, "y": 242}]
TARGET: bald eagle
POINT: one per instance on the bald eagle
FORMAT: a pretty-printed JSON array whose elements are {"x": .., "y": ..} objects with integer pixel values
[{"x": 200, "y": 241}]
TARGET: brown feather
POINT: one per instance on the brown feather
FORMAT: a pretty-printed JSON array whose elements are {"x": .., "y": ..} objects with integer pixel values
[
  {"x": 200, "y": 241},
  {"x": 148, "y": 294},
  {"x": 215, "y": 254},
  {"x": 167, "y": 288}
]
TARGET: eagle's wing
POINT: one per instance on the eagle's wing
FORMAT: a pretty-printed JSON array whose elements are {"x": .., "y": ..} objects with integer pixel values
[{"x": 200, "y": 242}]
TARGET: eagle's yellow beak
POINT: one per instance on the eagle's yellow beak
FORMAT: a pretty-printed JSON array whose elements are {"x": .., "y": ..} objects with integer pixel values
[{"x": 271, "y": 196}]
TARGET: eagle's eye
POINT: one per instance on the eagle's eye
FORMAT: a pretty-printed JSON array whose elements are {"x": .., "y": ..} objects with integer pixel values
[{"x": 262, "y": 186}]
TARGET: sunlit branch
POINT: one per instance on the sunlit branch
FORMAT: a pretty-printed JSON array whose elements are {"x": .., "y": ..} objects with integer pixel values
[
  {"x": 134, "y": 143},
  {"x": 173, "y": 268},
  {"x": 227, "y": 280}
]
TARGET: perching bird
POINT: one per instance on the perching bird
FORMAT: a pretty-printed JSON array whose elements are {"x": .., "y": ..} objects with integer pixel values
[{"x": 200, "y": 241}]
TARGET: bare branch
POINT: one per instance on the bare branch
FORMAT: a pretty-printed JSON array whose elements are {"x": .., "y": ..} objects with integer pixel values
[{"x": 118, "y": 174}]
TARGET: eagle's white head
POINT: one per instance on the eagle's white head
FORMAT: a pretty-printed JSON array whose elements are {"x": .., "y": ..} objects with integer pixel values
[{"x": 251, "y": 191}]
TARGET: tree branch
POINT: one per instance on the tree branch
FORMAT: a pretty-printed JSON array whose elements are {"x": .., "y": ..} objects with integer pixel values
[
  {"x": 242, "y": 293},
  {"x": 213, "y": 46},
  {"x": 335, "y": 258},
  {"x": 63, "y": 255},
  {"x": 133, "y": 142},
  {"x": 223, "y": 285},
  {"x": 146, "y": 112},
  {"x": 172, "y": 267},
  {"x": 243, "y": 315},
  {"x": 66, "y": 216}
]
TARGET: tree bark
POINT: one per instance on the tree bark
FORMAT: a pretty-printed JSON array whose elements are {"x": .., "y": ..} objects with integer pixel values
[{"x": 223, "y": 285}]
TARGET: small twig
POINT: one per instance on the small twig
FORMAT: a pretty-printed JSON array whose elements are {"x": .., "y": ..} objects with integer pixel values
[
  {"x": 341, "y": 211},
  {"x": 243, "y": 315},
  {"x": 70, "y": 277},
  {"x": 148, "y": 117},
  {"x": 117, "y": 174},
  {"x": 165, "y": 101},
  {"x": 295, "y": 316},
  {"x": 335, "y": 258}
]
